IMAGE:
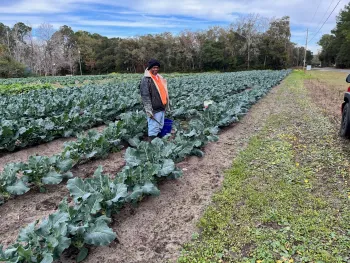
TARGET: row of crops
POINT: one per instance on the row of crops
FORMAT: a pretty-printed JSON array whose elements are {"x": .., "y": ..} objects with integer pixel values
[
  {"x": 188, "y": 104},
  {"x": 86, "y": 220},
  {"x": 21, "y": 85},
  {"x": 43, "y": 115},
  {"x": 74, "y": 80},
  {"x": 65, "y": 80}
]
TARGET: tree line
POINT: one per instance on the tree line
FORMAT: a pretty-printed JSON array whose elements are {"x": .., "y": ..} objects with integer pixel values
[
  {"x": 336, "y": 46},
  {"x": 251, "y": 42}
]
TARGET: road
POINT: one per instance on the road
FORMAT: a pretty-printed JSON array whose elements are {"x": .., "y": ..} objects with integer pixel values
[{"x": 332, "y": 69}]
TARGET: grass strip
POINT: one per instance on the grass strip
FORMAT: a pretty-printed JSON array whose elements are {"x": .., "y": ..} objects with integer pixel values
[{"x": 286, "y": 198}]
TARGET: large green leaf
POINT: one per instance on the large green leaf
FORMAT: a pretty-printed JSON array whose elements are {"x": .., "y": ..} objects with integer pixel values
[
  {"x": 22, "y": 130},
  {"x": 197, "y": 152},
  {"x": 78, "y": 189},
  {"x": 47, "y": 258},
  {"x": 7, "y": 255},
  {"x": 26, "y": 233},
  {"x": 134, "y": 142},
  {"x": 18, "y": 188},
  {"x": 83, "y": 253},
  {"x": 91, "y": 154},
  {"x": 168, "y": 149},
  {"x": 183, "y": 150},
  {"x": 150, "y": 188},
  {"x": 150, "y": 169},
  {"x": 157, "y": 142},
  {"x": 99, "y": 234},
  {"x": 58, "y": 218},
  {"x": 131, "y": 157},
  {"x": 55, "y": 222},
  {"x": 62, "y": 244},
  {"x": 120, "y": 191},
  {"x": 167, "y": 168},
  {"x": 67, "y": 175},
  {"x": 135, "y": 195},
  {"x": 64, "y": 165},
  {"x": 94, "y": 202},
  {"x": 139, "y": 191},
  {"x": 49, "y": 125},
  {"x": 52, "y": 178},
  {"x": 198, "y": 143}
]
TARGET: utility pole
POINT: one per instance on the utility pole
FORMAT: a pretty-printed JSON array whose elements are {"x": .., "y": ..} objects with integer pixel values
[
  {"x": 307, "y": 36},
  {"x": 298, "y": 57}
]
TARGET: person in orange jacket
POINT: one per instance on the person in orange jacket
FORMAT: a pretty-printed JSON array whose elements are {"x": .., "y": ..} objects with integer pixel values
[{"x": 155, "y": 98}]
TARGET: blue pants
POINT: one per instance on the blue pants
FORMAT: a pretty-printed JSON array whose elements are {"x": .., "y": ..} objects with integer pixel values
[{"x": 153, "y": 127}]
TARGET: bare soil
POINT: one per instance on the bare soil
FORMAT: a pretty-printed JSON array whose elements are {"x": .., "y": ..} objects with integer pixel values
[
  {"x": 46, "y": 149},
  {"x": 328, "y": 97},
  {"x": 156, "y": 229}
]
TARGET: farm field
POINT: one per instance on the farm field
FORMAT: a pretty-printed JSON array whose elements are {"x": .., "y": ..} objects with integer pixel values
[
  {"x": 284, "y": 198},
  {"x": 83, "y": 219},
  {"x": 237, "y": 152}
]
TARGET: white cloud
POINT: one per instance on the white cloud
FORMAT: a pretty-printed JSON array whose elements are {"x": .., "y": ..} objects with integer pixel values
[
  {"x": 29, "y": 7},
  {"x": 146, "y": 13},
  {"x": 124, "y": 24}
]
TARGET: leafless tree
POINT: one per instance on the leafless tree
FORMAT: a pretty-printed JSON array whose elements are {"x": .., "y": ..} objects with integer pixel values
[
  {"x": 250, "y": 27},
  {"x": 45, "y": 33}
]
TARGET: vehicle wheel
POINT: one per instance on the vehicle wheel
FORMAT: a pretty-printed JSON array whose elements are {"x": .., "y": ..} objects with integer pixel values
[{"x": 345, "y": 122}]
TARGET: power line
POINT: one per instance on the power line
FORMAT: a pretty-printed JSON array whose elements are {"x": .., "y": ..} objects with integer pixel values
[
  {"x": 325, "y": 21},
  {"x": 325, "y": 14},
  {"x": 319, "y": 4},
  {"x": 323, "y": 17}
]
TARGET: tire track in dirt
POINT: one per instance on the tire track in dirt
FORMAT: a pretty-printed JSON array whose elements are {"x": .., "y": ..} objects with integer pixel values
[{"x": 155, "y": 230}]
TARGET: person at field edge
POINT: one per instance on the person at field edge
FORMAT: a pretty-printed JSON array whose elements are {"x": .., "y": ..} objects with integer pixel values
[{"x": 155, "y": 98}]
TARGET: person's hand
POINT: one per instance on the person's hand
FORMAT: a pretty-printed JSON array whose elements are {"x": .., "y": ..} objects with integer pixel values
[{"x": 150, "y": 114}]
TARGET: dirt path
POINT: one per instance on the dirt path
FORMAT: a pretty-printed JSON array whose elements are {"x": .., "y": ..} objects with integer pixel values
[
  {"x": 46, "y": 149},
  {"x": 155, "y": 231},
  {"x": 332, "y": 70}
]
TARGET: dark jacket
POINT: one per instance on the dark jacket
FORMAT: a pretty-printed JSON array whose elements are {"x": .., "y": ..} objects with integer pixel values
[{"x": 151, "y": 99}]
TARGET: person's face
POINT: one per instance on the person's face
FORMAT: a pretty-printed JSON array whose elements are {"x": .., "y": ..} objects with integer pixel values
[{"x": 154, "y": 70}]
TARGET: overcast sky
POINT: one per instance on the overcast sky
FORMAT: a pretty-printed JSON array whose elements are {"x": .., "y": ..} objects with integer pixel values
[{"x": 137, "y": 17}]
